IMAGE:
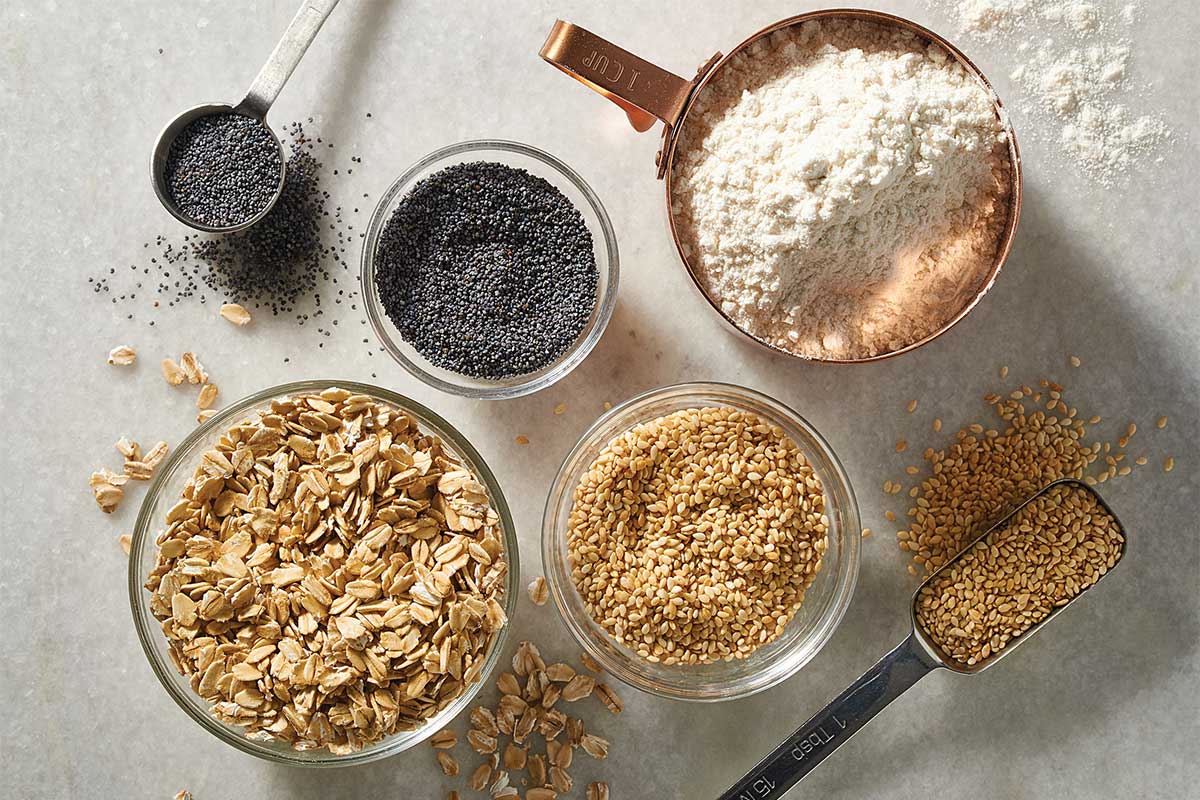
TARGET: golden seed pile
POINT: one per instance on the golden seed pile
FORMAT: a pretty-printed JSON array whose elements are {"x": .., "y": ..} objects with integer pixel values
[
  {"x": 988, "y": 471},
  {"x": 506, "y": 736},
  {"x": 1052, "y": 550},
  {"x": 331, "y": 575},
  {"x": 693, "y": 537}
]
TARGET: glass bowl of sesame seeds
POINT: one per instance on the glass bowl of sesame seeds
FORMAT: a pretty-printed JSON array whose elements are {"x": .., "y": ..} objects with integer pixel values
[
  {"x": 696, "y": 568},
  {"x": 489, "y": 269},
  {"x": 290, "y": 627}
]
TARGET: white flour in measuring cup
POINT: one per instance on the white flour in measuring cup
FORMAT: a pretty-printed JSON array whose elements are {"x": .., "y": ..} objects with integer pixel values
[{"x": 841, "y": 188}]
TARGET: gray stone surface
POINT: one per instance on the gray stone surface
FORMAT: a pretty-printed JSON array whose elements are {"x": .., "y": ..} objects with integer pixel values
[{"x": 1103, "y": 704}]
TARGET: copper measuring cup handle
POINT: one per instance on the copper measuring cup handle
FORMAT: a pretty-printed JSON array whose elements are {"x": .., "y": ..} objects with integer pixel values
[
  {"x": 645, "y": 92},
  {"x": 829, "y": 729}
]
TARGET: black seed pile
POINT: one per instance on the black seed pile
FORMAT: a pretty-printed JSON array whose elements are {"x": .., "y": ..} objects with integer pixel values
[
  {"x": 223, "y": 169},
  {"x": 295, "y": 261},
  {"x": 487, "y": 270}
]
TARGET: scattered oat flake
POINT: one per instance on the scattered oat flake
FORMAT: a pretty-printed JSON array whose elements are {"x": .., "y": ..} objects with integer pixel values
[
  {"x": 183, "y": 795},
  {"x": 122, "y": 356},
  {"x": 236, "y": 314},
  {"x": 539, "y": 593},
  {"x": 106, "y": 488},
  {"x": 522, "y": 440},
  {"x": 560, "y": 408},
  {"x": 128, "y": 449},
  {"x": 172, "y": 372},
  {"x": 126, "y": 542},
  {"x": 206, "y": 415},
  {"x": 1075, "y": 362},
  {"x": 192, "y": 368},
  {"x": 207, "y": 396}
]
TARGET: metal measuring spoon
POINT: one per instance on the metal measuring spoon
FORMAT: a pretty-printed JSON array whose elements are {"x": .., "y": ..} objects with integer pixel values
[
  {"x": 266, "y": 87},
  {"x": 915, "y": 657}
]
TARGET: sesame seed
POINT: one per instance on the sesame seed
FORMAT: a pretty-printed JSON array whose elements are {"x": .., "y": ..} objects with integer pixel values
[
  {"x": 937, "y": 425},
  {"x": 1161, "y": 422},
  {"x": 1003, "y": 372},
  {"x": 560, "y": 408},
  {"x": 912, "y": 406},
  {"x": 1169, "y": 464},
  {"x": 901, "y": 446},
  {"x": 1075, "y": 361},
  {"x": 522, "y": 440}
]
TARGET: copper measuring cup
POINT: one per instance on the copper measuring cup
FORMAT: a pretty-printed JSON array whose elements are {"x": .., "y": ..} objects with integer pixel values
[
  {"x": 649, "y": 94},
  {"x": 895, "y": 673}
]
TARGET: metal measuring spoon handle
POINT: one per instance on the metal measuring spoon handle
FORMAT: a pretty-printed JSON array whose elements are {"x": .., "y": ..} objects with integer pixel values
[
  {"x": 286, "y": 55},
  {"x": 833, "y": 725}
]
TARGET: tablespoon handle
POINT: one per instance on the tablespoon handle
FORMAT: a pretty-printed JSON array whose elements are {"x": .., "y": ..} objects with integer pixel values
[
  {"x": 286, "y": 55},
  {"x": 831, "y": 727}
]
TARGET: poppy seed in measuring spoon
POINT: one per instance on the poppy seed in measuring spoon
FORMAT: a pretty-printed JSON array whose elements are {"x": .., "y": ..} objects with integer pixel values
[
  {"x": 222, "y": 171},
  {"x": 220, "y": 168}
]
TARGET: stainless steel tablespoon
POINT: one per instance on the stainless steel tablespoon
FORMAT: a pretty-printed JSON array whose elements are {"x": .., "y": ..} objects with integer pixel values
[
  {"x": 257, "y": 102},
  {"x": 897, "y": 671}
]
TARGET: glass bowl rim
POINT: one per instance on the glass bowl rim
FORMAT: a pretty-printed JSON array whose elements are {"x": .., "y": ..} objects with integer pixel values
[
  {"x": 524, "y": 385},
  {"x": 144, "y": 535},
  {"x": 846, "y": 579}
]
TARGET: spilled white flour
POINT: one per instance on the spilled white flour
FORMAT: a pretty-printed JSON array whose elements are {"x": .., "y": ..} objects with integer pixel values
[
  {"x": 841, "y": 189},
  {"x": 1074, "y": 62}
]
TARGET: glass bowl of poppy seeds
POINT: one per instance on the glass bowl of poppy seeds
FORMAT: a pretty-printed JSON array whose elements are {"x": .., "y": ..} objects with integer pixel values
[{"x": 489, "y": 269}]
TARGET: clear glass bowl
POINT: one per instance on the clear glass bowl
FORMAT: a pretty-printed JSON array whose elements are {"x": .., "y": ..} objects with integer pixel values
[
  {"x": 825, "y": 602},
  {"x": 604, "y": 243},
  {"x": 164, "y": 492}
]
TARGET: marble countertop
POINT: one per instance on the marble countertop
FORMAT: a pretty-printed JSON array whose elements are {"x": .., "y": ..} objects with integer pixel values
[{"x": 1103, "y": 704}]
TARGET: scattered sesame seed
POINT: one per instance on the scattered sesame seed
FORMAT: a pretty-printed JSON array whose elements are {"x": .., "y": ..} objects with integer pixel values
[
  {"x": 1169, "y": 464},
  {"x": 1161, "y": 423},
  {"x": 1140, "y": 461},
  {"x": 560, "y": 408},
  {"x": 901, "y": 446},
  {"x": 1003, "y": 372},
  {"x": 912, "y": 406},
  {"x": 937, "y": 425},
  {"x": 1075, "y": 362},
  {"x": 889, "y": 516},
  {"x": 522, "y": 440},
  {"x": 866, "y": 532}
]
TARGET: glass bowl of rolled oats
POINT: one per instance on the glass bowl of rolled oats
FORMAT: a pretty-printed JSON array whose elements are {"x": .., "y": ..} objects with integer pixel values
[
  {"x": 322, "y": 574},
  {"x": 701, "y": 542}
]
